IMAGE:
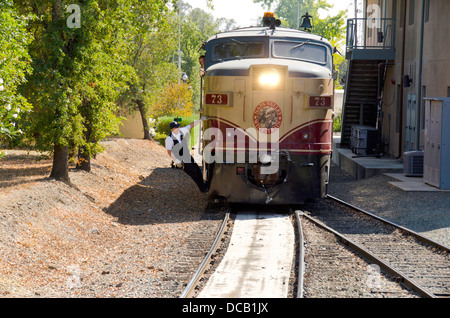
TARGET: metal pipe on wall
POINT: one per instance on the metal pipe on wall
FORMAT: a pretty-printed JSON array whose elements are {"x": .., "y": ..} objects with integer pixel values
[
  {"x": 400, "y": 144},
  {"x": 419, "y": 88}
]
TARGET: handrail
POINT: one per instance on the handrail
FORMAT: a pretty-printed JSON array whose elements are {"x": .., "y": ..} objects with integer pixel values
[{"x": 370, "y": 33}]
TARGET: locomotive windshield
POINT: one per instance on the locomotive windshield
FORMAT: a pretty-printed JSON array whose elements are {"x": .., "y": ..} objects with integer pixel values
[
  {"x": 302, "y": 50},
  {"x": 237, "y": 49},
  {"x": 264, "y": 46}
]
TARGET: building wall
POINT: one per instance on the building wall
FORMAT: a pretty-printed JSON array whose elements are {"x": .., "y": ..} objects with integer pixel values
[
  {"x": 435, "y": 79},
  {"x": 132, "y": 126}
]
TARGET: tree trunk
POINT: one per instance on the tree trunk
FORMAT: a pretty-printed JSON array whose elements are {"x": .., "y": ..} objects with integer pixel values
[
  {"x": 84, "y": 160},
  {"x": 140, "y": 105},
  {"x": 60, "y": 169},
  {"x": 84, "y": 157}
]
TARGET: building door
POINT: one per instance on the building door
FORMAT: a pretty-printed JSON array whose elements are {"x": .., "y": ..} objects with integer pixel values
[
  {"x": 411, "y": 122},
  {"x": 432, "y": 157}
]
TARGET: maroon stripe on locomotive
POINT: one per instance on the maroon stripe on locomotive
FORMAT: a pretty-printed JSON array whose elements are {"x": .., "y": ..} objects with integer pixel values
[{"x": 309, "y": 138}]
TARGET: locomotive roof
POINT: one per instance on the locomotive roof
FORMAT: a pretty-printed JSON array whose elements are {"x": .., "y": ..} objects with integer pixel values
[{"x": 266, "y": 31}]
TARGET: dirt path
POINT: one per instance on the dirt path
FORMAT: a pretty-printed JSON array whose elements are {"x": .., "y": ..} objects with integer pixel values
[{"x": 118, "y": 235}]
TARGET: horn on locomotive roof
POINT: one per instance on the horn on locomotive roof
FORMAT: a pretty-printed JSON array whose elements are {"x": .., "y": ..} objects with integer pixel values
[{"x": 270, "y": 21}]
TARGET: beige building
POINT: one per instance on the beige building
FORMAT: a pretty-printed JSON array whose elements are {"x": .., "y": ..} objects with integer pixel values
[
  {"x": 132, "y": 126},
  {"x": 399, "y": 53}
]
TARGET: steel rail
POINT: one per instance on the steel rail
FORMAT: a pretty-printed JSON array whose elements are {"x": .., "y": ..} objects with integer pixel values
[
  {"x": 189, "y": 290},
  {"x": 373, "y": 258},
  {"x": 404, "y": 229},
  {"x": 301, "y": 255}
]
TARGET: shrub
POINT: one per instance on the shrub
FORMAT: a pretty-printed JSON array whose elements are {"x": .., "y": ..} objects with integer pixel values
[
  {"x": 337, "y": 123},
  {"x": 163, "y": 127},
  {"x": 160, "y": 137}
]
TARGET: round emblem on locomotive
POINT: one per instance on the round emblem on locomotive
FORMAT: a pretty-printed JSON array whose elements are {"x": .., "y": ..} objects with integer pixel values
[{"x": 267, "y": 115}]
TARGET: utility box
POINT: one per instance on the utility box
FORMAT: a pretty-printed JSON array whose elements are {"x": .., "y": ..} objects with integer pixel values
[
  {"x": 363, "y": 140},
  {"x": 413, "y": 163},
  {"x": 437, "y": 143}
]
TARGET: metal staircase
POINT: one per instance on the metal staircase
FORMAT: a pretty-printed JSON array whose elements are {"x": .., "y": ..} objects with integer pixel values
[
  {"x": 361, "y": 97},
  {"x": 369, "y": 42}
]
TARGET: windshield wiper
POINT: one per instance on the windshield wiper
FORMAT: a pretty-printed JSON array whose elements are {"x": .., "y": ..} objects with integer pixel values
[
  {"x": 299, "y": 45},
  {"x": 243, "y": 44},
  {"x": 239, "y": 42}
]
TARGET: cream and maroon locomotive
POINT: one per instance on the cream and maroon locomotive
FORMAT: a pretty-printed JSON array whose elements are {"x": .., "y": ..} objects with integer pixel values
[{"x": 267, "y": 114}]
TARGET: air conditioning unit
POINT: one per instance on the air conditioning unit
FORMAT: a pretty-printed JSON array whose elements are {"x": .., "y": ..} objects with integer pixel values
[
  {"x": 363, "y": 140},
  {"x": 413, "y": 163}
]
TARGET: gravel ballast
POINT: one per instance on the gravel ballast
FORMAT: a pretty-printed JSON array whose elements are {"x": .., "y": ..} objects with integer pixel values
[
  {"x": 427, "y": 213},
  {"x": 133, "y": 227}
]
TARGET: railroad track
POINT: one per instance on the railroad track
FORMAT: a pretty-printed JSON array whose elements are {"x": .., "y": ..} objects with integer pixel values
[
  {"x": 413, "y": 260},
  {"x": 334, "y": 270},
  {"x": 408, "y": 259},
  {"x": 193, "y": 287}
]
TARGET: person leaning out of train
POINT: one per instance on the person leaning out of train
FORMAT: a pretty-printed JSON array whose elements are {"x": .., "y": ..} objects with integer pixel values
[{"x": 178, "y": 150}]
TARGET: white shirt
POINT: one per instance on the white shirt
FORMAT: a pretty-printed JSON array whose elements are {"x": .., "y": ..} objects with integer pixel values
[{"x": 169, "y": 140}]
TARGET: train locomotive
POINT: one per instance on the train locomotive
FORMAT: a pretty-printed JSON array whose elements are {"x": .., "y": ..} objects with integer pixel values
[{"x": 267, "y": 110}]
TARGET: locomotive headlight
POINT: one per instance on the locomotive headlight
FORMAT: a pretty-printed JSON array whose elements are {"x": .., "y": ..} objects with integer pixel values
[{"x": 270, "y": 78}]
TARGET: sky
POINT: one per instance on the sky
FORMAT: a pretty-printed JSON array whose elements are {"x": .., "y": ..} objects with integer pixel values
[{"x": 246, "y": 12}]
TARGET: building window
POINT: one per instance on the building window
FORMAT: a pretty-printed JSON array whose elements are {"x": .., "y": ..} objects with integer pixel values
[
  {"x": 427, "y": 10},
  {"x": 411, "y": 11}
]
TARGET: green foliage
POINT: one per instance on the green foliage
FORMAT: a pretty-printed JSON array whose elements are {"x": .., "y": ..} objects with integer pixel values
[
  {"x": 78, "y": 73},
  {"x": 175, "y": 101},
  {"x": 150, "y": 57},
  {"x": 163, "y": 123},
  {"x": 290, "y": 12},
  {"x": 286, "y": 10},
  {"x": 160, "y": 137},
  {"x": 99, "y": 78},
  {"x": 14, "y": 66},
  {"x": 155, "y": 90},
  {"x": 331, "y": 28},
  {"x": 62, "y": 87},
  {"x": 337, "y": 123},
  {"x": 196, "y": 27},
  {"x": 163, "y": 127}
]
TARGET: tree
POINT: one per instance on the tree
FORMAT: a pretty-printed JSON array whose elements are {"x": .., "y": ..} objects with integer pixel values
[
  {"x": 197, "y": 26},
  {"x": 176, "y": 101},
  {"x": 55, "y": 119},
  {"x": 152, "y": 62},
  {"x": 291, "y": 11},
  {"x": 331, "y": 28},
  {"x": 99, "y": 78},
  {"x": 77, "y": 72},
  {"x": 155, "y": 56},
  {"x": 14, "y": 66}
]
